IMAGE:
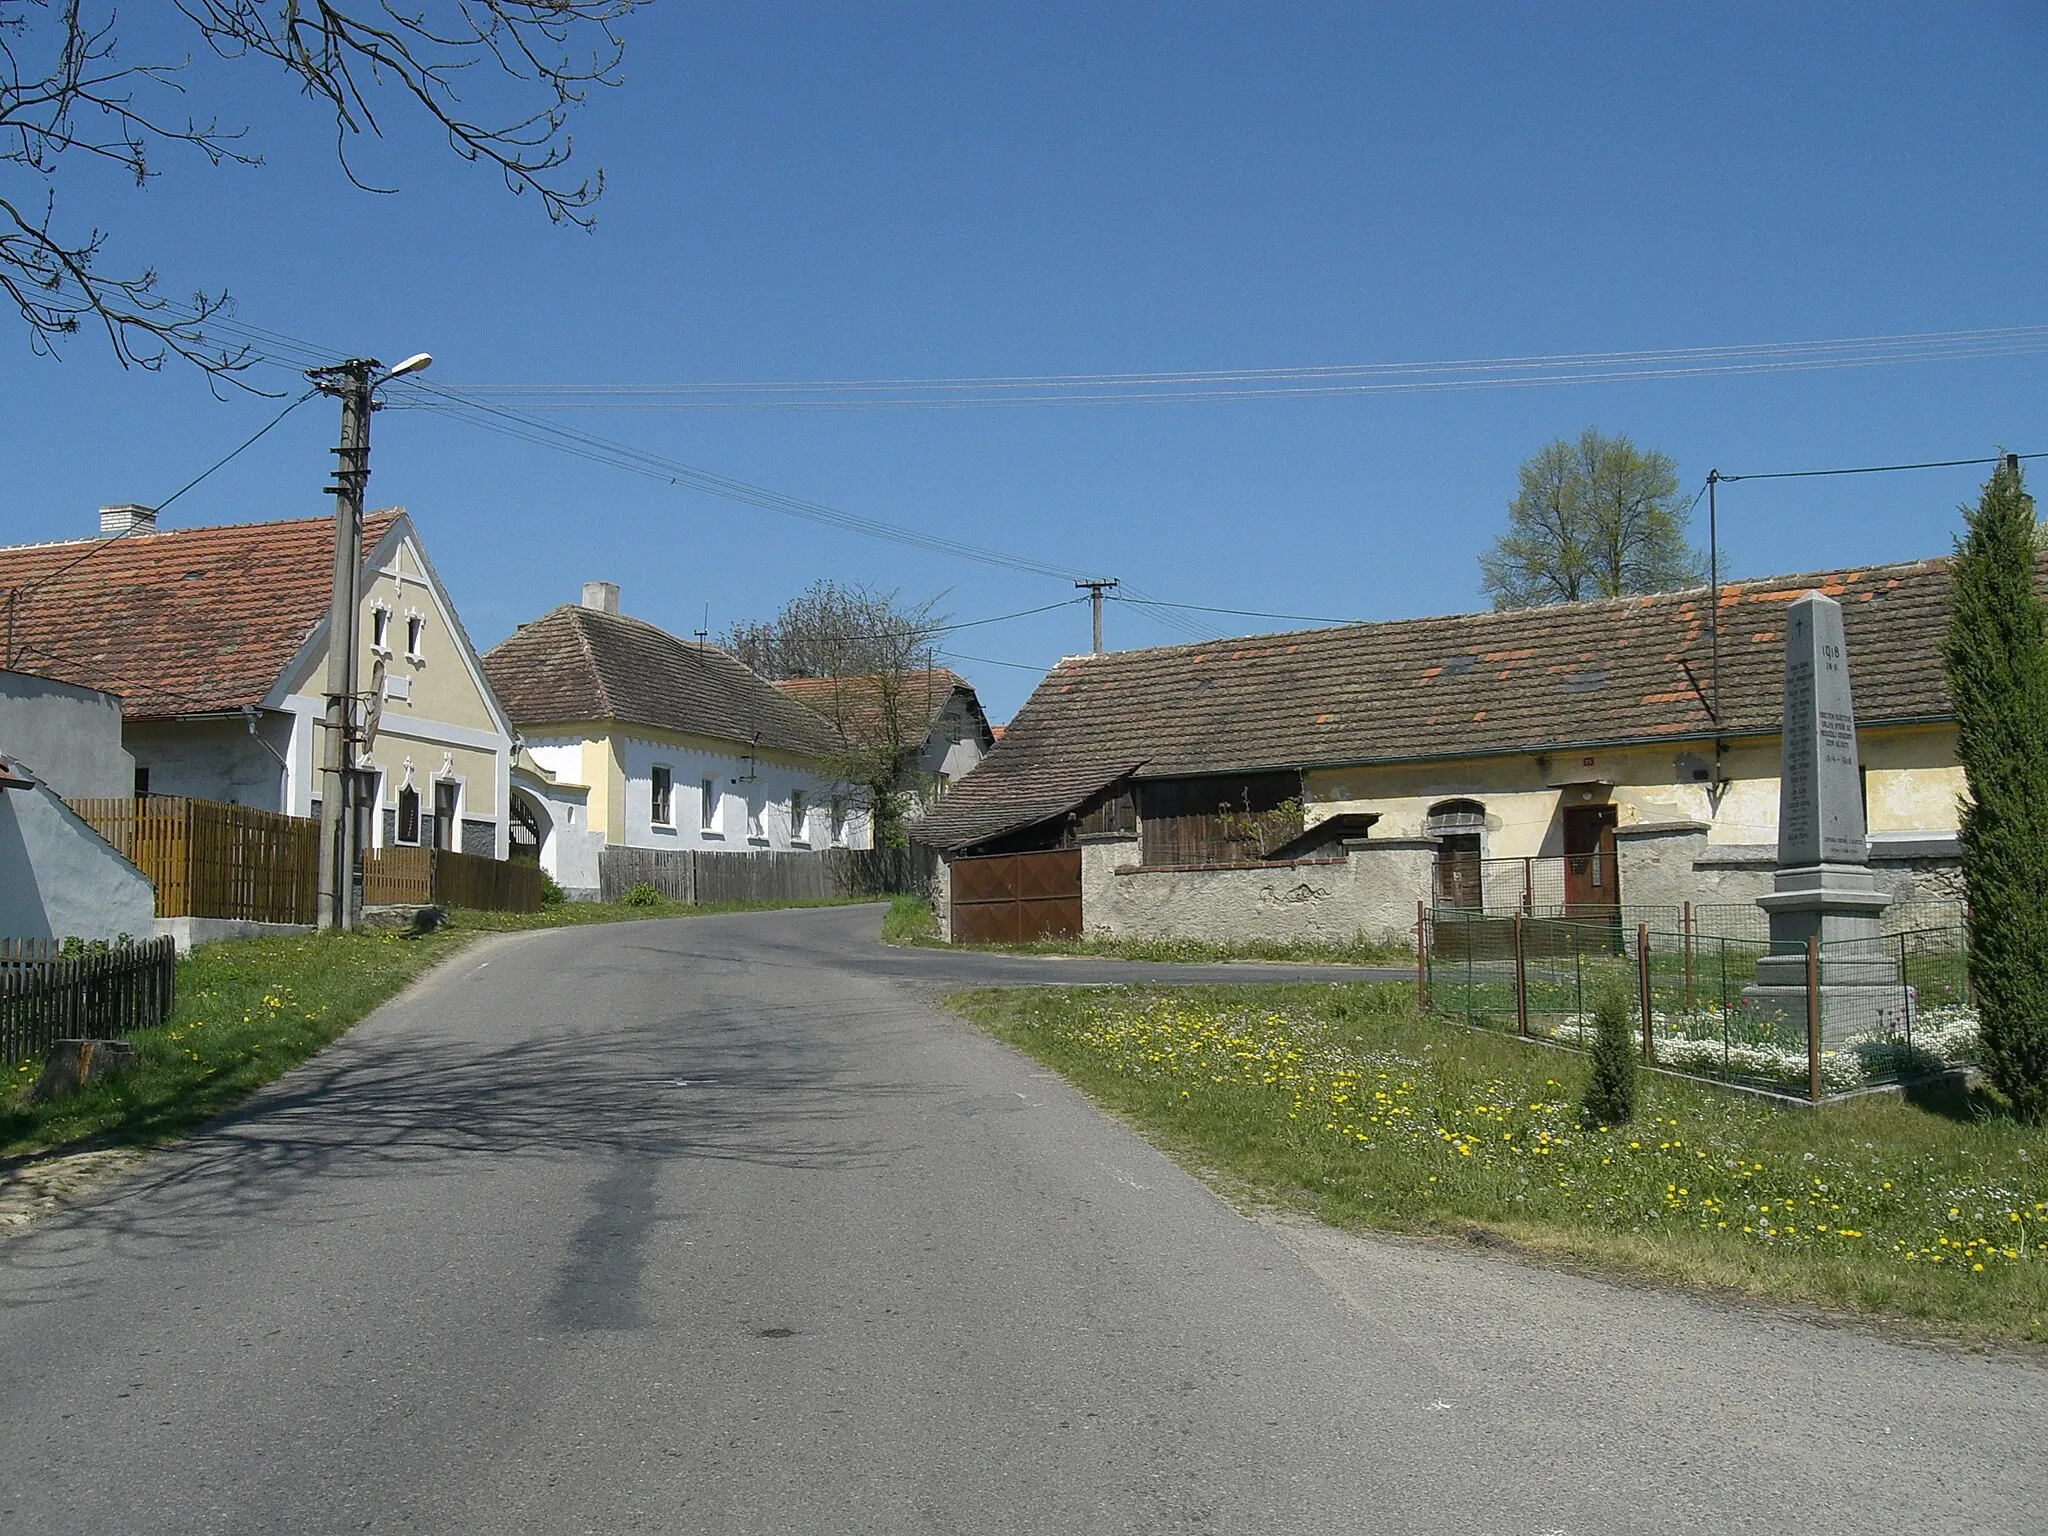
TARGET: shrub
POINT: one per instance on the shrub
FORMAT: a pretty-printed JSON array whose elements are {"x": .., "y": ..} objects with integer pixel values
[
  {"x": 551, "y": 894},
  {"x": 1997, "y": 661},
  {"x": 1610, "y": 1097},
  {"x": 643, "y": 895}
]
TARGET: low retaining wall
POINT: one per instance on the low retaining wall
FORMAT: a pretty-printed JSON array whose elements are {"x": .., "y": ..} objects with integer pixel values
[
  {"x": 188, "y": 932},
  {"x": 1664, "y": 865},
  {"x": 1370, "y": 892}
]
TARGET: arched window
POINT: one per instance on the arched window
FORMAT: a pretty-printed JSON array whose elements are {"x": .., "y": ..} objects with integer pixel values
[{"x": 1459, "y": 827}]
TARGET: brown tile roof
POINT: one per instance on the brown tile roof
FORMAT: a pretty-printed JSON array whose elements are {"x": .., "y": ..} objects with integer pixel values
[
  {"x": 186, "y": 621},
  {"x": 1526, "y": 680},
  {"x": 856, "y": 703},
  {"x": 574, "y": 664}
]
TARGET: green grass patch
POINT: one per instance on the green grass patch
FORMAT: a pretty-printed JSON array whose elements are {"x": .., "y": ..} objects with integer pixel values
[
  {"x": 251, "y": 1009},
  {"x": 910, "y": 921},
  {"x": 1343, "y": 1101}
]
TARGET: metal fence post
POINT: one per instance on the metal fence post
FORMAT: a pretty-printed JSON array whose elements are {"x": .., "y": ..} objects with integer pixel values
[
  {"x": 1521, "y": 983},
  {"x": 1686, "y": 919},
  {"x": 1905, "y": 992},
  {"x": 1813, "y": 1019},
  {"x": 1422, "y": 956},
  {"x": 1643, "y": 986}
]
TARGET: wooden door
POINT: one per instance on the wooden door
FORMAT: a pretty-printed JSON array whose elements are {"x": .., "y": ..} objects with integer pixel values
[
  {"x": 1013, "y": 898},
  {"x": 1592, "y": 882}
]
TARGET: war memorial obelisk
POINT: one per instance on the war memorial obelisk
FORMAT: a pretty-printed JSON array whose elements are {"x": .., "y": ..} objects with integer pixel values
[{"x": 1823, "y": 888}]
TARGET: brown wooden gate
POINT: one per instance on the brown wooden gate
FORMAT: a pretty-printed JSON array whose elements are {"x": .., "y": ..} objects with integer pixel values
[{"x": 1013, "y": 898}]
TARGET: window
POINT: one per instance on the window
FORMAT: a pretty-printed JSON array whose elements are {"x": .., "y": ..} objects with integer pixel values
[
  {"x": 662, "y": 812},
  {"x": 754, "y": 820},
  {"x": 707, "y": 806},
  {"x": 447, "y": 828},
  {"x": 141, "y": 782},
  {"x": 409, "y": 815},
  {"x": 380, "y": 629},
  {"x": 415, "y": 634},
  {"x": 799, "y": 813},
  {"x": 838, "y": 820}
]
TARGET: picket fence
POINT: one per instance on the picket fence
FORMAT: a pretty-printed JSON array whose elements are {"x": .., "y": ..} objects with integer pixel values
[
  {"x": 95, "y": 995},
  {"x": 705, "y": 879}
]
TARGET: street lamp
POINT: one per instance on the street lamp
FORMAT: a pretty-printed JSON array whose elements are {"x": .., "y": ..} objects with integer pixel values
[{"x": 356, "y": 382}]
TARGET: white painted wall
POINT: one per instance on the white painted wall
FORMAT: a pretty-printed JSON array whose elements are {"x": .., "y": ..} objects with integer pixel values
[
  {"x": 69, "y": 737},
  {"x": 59, "y": 878},
  {"x": 752, "y": 794},
  {"x": 215, "y": 759}
]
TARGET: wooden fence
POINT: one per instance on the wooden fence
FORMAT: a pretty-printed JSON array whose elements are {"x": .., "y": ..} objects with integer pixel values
[
  {"x": 95, "y": 995},
  {"x": 703, "y": 879},
  {"x": 208, "y": 859},
  {"x": 404, "y": 876}
]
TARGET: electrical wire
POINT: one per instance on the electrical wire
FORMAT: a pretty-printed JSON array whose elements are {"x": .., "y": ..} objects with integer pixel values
[
  {"x": 1249, "y": 383},
  {"x": 1248, "y": 613},
  {"x": 1877, "y": 469}
]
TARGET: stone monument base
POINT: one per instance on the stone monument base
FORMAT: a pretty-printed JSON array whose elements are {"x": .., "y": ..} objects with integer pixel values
[
  {"x": 1829, "y": 902},
  {"x": 1840, "y": 906}
]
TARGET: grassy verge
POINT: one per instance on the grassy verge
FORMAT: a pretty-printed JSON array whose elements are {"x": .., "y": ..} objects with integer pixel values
[
  {"x": 1344, "y": 1102},
  {"x": 252, "y": 1009},
  {"x": 910, "y": 921}
]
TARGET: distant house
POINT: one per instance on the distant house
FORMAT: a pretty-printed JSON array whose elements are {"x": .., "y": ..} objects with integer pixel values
[
  {"x": 650, "y": 741},
  {"x": 934, "y": 714},
  {"x": 215, "y": 641},
  {"x": 58, "y": 877},
  {"x": 1318, "y": 784}
]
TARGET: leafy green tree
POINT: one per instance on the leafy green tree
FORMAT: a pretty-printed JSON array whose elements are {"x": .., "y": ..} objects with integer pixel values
[
  {"x": 1611, "y": 1089},
  {"x": 1594, "y": 518},
  {"x": 1997, "y": 659}
]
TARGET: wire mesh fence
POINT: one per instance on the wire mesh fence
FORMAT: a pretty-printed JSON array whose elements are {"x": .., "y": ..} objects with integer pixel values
[{"x": 1813, "y": 1021}]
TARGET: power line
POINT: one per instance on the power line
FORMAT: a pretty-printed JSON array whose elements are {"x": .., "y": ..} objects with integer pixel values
[
  {"x": 1879, "y": 469},
  {"x": 990, "y": 661},
  {"x": 1248, "y": 383}
]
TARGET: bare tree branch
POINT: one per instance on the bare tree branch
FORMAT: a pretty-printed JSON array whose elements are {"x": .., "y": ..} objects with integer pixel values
[{"x": 65, "y": 98}]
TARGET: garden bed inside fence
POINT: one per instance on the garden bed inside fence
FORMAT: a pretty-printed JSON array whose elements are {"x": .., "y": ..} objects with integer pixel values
[{"x": 1883, "y": 1012}]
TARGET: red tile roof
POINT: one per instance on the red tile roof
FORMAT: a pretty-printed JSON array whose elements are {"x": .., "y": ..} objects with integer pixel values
[
  {"x": 1524, "y": 680},
  {"x": 575, "y": 665},
  {"x": 855, "y": 704},
  {"x": 187, "y": 621}
]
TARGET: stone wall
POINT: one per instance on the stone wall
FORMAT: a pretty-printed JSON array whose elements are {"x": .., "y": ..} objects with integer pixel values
[
  {"x": 942, "y": 894},
  {"x": 1370, "y": 893}
]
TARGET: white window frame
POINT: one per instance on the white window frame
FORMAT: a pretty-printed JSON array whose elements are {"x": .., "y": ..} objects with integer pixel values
[
  {"x": 711, "y": 803},
  {"x": 415, "y": 637},
  {"x": 380, "y": 629},
  {"x": 799, "y": 817},
  {"x": 661, "y": 797}
]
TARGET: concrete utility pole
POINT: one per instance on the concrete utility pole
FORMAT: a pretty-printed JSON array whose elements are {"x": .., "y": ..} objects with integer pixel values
[
  {"x": 351, "y": 381},
  {"x": 1095, "y": 590},
  {"x": 355, "y": 382}
]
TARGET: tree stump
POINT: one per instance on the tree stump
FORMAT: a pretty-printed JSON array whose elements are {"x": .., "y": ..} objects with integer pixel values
[{"x": 72, "y": 1064}]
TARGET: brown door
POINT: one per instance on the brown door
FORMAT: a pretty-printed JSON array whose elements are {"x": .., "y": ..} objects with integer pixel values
[
  {"x": 1458, "y": 871},
  {"x": 1591, "y": 883},
  {"x": 1013, "y": 898}
]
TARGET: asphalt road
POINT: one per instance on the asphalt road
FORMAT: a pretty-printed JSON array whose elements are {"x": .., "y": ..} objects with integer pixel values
[{"x": 716, "y": 1225}]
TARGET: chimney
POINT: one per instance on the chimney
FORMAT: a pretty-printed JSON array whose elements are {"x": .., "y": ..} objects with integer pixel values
[
  {"x": 601, "y": 596},
  {"x": 126, "y": 517}
]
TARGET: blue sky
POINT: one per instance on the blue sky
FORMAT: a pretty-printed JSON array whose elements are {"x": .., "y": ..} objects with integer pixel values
[{"x": 818, "y": 193}]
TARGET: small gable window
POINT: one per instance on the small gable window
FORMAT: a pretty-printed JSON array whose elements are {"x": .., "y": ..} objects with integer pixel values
[
  {"x": 380, "y": 629},
  {"x": 415, "y": 636}
]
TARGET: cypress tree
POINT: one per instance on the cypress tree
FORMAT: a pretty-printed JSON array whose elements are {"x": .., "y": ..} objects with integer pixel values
[
  {"x": 1997, "y": 660},
  {"x": 1611, "y": 1090}
]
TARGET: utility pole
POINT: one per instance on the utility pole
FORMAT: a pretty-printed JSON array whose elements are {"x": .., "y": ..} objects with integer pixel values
[
  {"x": 350, "y": 381},
  {"x": 356, "y": 383},
  {"x": 1095, "y": 591},
  {"x": 1714, "y": 595}
]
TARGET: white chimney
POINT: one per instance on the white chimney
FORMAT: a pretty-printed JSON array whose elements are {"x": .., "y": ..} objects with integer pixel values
[
  {"x": 601, "y": 596},
  {"x": 126, "y": 518}
]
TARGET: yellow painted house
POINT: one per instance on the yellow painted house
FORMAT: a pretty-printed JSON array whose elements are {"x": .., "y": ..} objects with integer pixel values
[
  {"x": 215, "y": 640},
  {"x": 636, "y": 738},
  {"x": 1320, "y": 783}
]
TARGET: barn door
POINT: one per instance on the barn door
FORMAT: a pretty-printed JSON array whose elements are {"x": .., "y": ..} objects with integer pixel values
[{"x": 1013, "y": 898}]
